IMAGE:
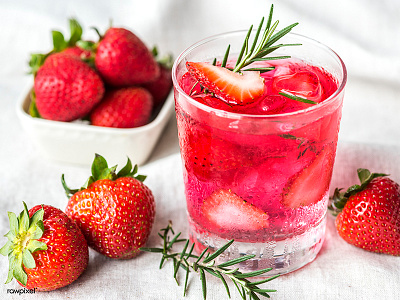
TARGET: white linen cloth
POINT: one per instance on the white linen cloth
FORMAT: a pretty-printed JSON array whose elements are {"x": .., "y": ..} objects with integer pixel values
[{"x": 365, "y": 33}]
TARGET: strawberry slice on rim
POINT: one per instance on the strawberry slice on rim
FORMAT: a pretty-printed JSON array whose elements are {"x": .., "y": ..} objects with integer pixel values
[
  {"x": 234, "y": 88},
  {"x": 226, "y": 211},
  {"x": 309, "y": 185}
]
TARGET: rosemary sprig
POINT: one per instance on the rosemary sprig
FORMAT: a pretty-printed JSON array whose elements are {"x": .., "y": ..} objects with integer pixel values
[
  {"x": 205, "y": 263},
  {"x": 297, "y": 98},
  {"x": 259, "y": 50}
]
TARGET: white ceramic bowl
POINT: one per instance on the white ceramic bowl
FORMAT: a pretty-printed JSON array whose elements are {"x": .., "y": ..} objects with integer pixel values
[{"x": 77, "y": 143}]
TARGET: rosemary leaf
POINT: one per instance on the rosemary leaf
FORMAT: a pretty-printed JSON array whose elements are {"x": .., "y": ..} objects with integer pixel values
[
  {"x": 236, "y": 261},
  {"x": 226, "y": 56},
  {"x": 296, "y": 98},
  {"x": 218, "y": 252},
  {"x": 264, "y": 280},
  {"x": 254, "y": 273},
  {"x": 203, "y": 283},
  {"x": 244, "y": 45}
]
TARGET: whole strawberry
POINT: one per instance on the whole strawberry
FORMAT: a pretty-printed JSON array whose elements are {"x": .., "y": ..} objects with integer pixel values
[
  {"x": 369, "y": 214},
  {"x": 66, "y": 88},
  {"x": 46, "y": 249},
  {"x": 123, "y": 108},
  {"x": 122, "y": 59},
  {"x": 115, "y": 211}
]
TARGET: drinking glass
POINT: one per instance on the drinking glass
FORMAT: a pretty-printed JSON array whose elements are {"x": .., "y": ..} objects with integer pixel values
[{"x": 262, "y": 180}]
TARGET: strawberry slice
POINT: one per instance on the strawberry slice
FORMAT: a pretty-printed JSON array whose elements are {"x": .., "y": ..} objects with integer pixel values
[
  {"x": 226, "y": 211},
  {"x": 309, "y": 185},
  {"x": 234, "y": 88}
]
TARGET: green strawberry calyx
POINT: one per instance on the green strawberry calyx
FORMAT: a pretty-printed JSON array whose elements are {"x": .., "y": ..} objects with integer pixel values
[
  {"x": 22, "y": 241},
  {"x": 100, "y": 170},
  {"x": 165, "y": 61},
  {"x": 59, "y": 44},
  {"x": 340, "y": 198}
]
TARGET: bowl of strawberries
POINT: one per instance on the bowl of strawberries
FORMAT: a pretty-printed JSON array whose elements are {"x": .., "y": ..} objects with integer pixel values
[{"x": 111, "y": 96}]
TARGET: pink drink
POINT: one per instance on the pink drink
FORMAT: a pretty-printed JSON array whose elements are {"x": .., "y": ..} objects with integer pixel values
[{"x": 260, "y": 173}]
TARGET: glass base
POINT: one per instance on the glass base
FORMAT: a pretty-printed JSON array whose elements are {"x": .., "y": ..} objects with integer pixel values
[{"x": 282, "y": 256}]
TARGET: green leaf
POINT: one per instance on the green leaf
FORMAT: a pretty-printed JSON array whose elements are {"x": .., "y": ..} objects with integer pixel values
[
  {"x": 76, "y": 32},
  {"x": 218, "y": 252},
  {"x": 225, "y": 59},
  {"x": 98, "y": 166},
  {"x": 264, "y": 280},
  {"x": 108, "y": 173},
  {"x": 10, "y": 275},
  {"x": 13, "y": 223},
  {"x": 203, "y": 283},
  {"x": 141, "y": 177},
  {"x": 86, "y": 45},
  {"x": 6, "y": 249},
  {"x": 37, "y": 216},
  {"x": 35, "y": 245},
  {"x": 363, "y": 174},
  {"x": 36, "y": 61},
  {"x": 59, "y": 42},
  {"x": 155, "y": 250},
  {"x": 17, "y": 270},
  {"x": 69, "y": 192},
  {"x": 126, "y": 170},
  {"x": 236, "y": 261},
  {"x": 296, "y": 98},
  {"x": 28, "y": 260},
  {"x": 24, "y": 220}
]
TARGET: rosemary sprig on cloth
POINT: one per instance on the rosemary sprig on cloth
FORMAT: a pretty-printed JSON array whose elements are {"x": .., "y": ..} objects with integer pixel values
[{"x": 206, "y": 263}]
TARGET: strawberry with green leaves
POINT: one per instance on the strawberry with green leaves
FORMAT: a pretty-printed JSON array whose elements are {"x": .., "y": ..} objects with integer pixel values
[
  {"x": 115, "y": 211},
  {"x": 368, "y": 215},
  {"x": 46, "y": 249}
]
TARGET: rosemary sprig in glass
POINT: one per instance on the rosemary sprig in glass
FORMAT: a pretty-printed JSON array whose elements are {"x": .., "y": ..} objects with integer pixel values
[
  {"x": 259, "y": 49},
  {"x": 205, "y": 263}
]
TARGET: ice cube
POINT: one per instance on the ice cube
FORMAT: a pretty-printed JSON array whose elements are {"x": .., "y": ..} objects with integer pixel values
[{"x": 303, "y": 83}]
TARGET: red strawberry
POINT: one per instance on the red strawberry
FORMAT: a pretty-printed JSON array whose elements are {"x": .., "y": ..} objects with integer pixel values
[
  {"x": 123, "y": 108},
  {"x": 369, "y": 214},
  {"x": 46, "y": 249},
  {"x": 122, "y": 59},
  {"x": 226, "y": 211},
  {"x": 310, "y": 185},
  {"x": 115, "y": 211},
  {"x": 232, "y": 87},
  {"x": 66, "y": 88}
]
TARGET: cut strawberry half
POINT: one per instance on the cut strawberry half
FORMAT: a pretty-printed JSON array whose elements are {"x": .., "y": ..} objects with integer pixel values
[
  {"x": 309, "y": 185},
  {"x": 226, "y": 211},
  {"x": 234, "y": 88}
]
